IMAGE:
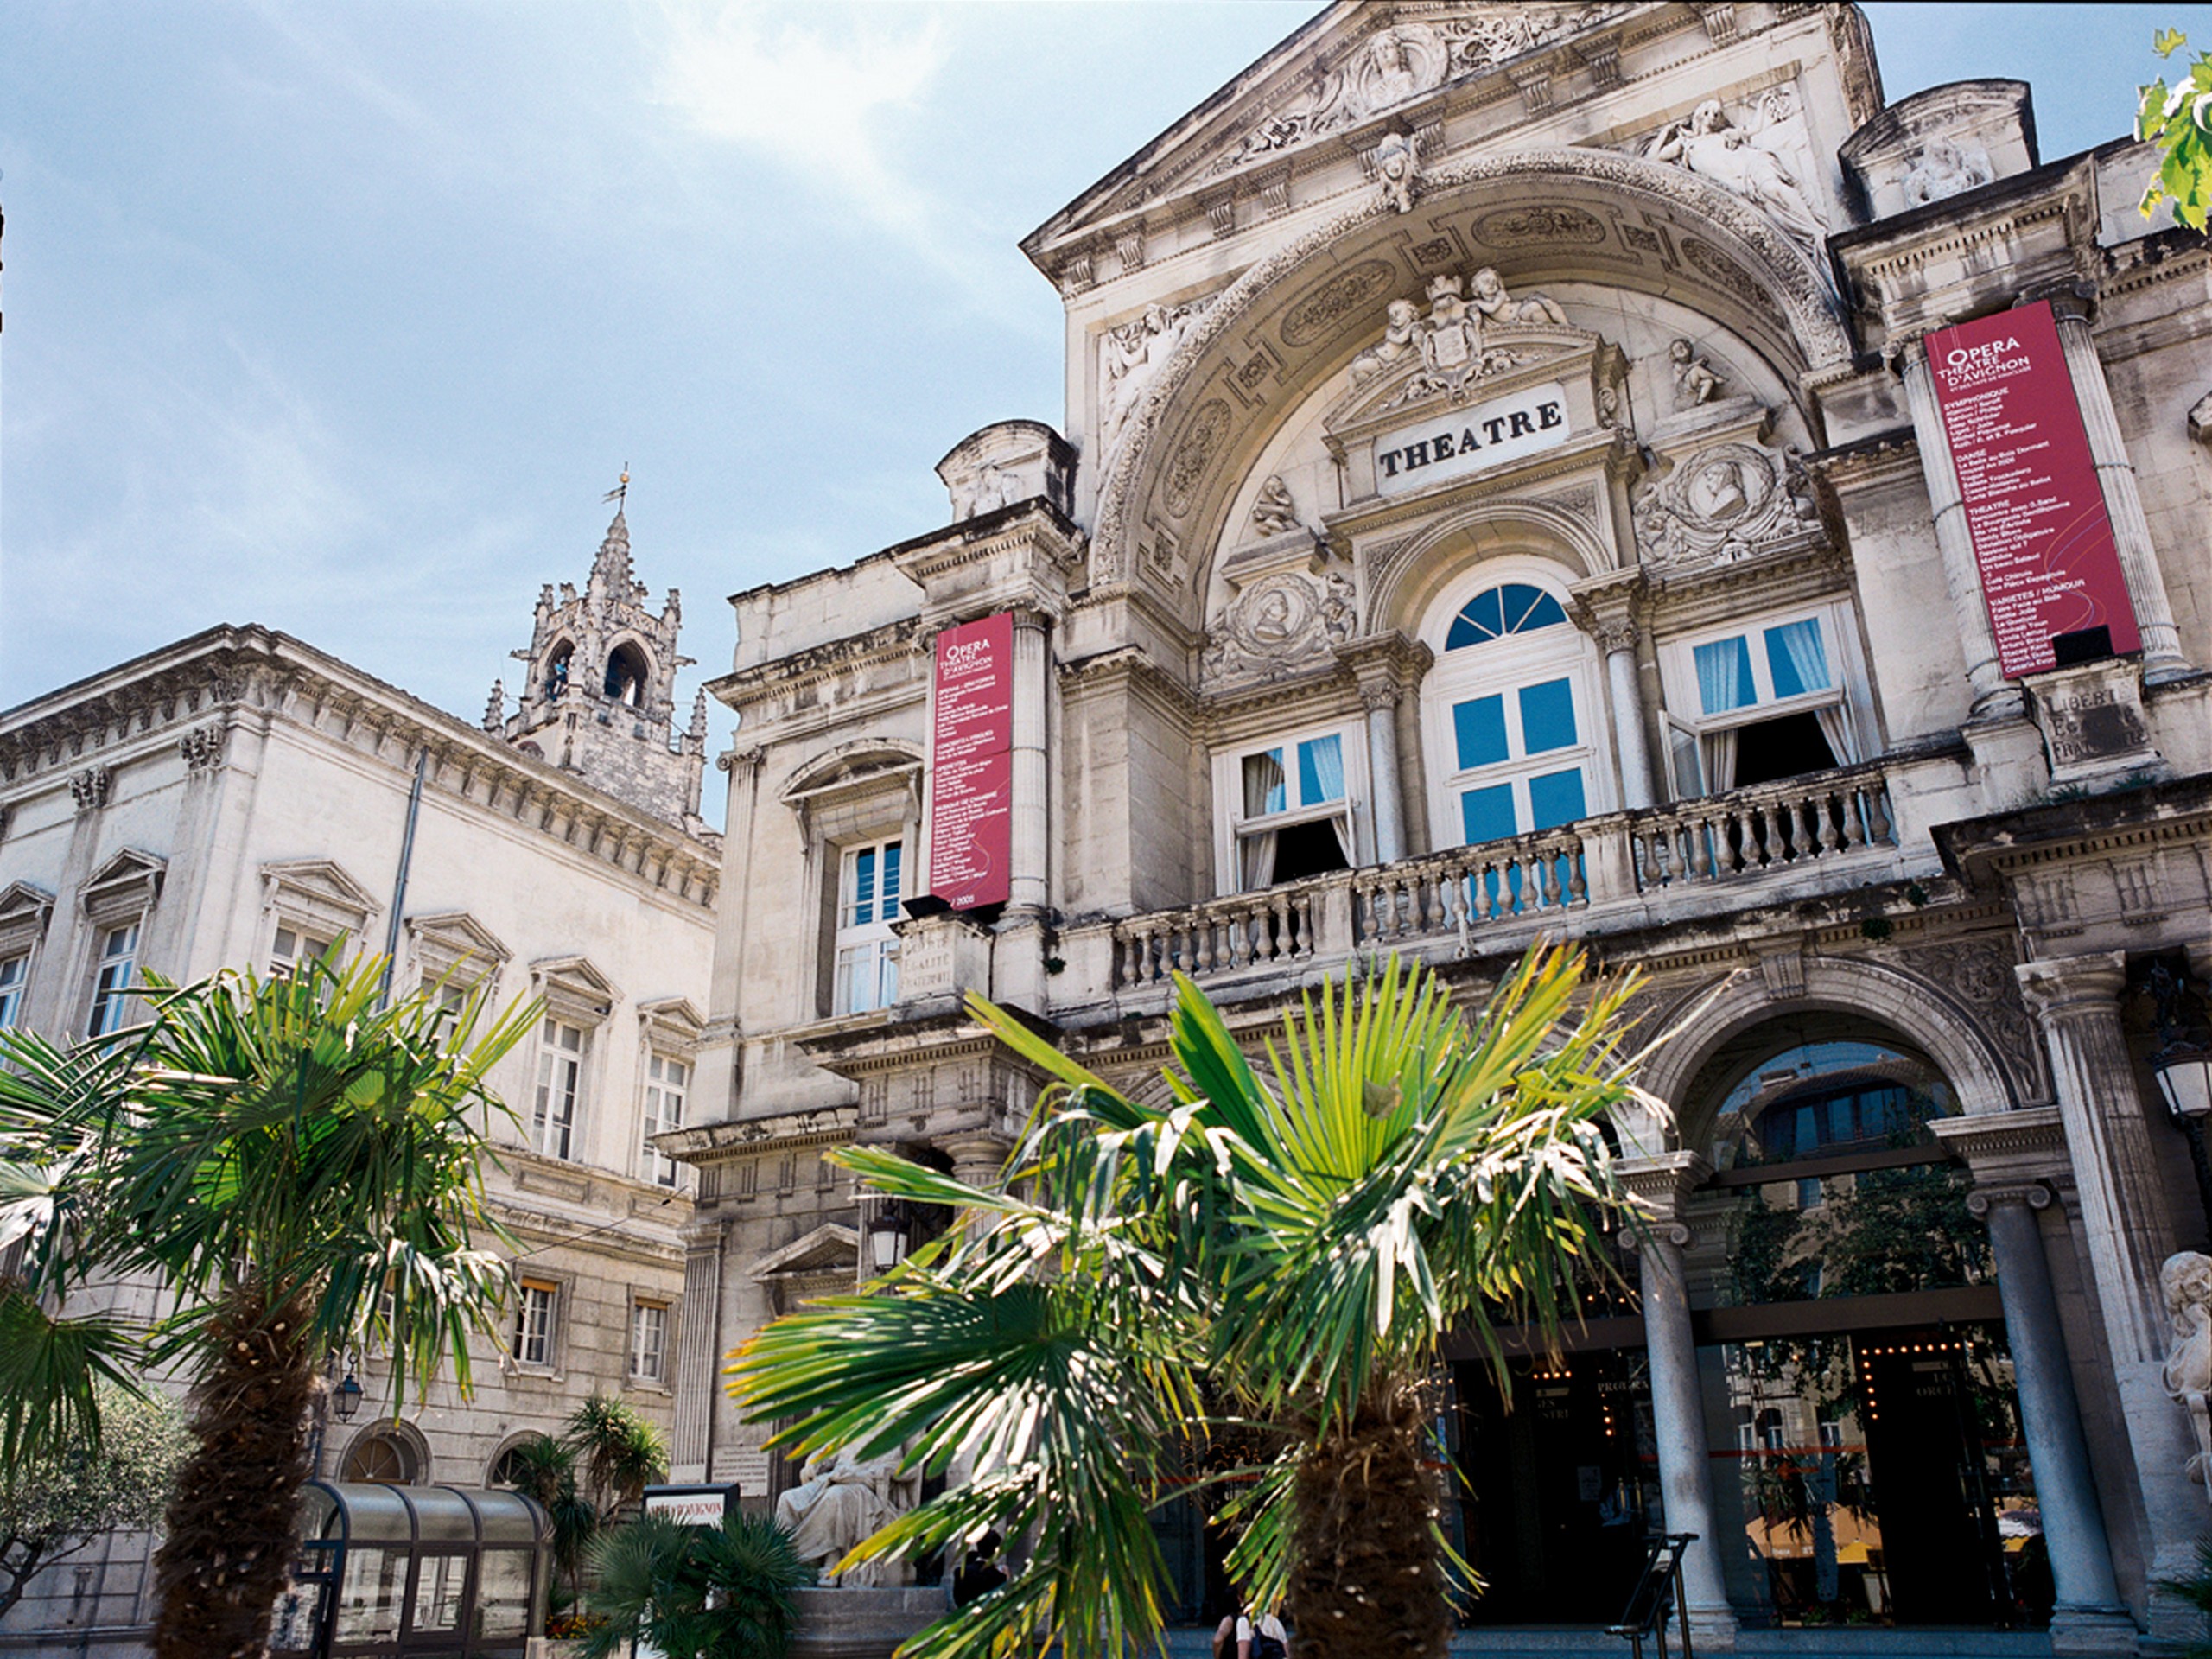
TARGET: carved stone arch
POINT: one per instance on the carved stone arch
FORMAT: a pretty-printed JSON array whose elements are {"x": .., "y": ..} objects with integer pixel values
[
  {"x": 1921, "y": 1013},
  {"x": 869, "y": 785},
  {"x": 374, "y": 1450},
  {"x": 857, "y": 761},
  {"x": 1402, "y": 584},
  {"x": 1183, "y": 444}
]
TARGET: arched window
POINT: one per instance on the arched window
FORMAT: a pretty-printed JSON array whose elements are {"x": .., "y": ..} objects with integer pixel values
[
  {"x": 556, "y": 668},
  {"x": 1512, "y": 717},
  {"x": 383, "y": 1455},
  {"x": 627, "y": 674}
]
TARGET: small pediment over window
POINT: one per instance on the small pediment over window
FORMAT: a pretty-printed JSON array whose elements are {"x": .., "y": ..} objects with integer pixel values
[
  {"x": 573, "y": 989},
  {"x": 129, "y": 881},
  {"x": 454, "y": 948},
  {"x": 320, "y": 894},
  {"x": 673, "y": 1023},
  {"x": 870, "y": 787},
  {"x": 24, "y": 911},
  {"x": 830, "y": 1249}
]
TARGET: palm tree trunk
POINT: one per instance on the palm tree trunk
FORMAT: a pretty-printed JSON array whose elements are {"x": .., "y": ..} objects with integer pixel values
[
  {"x": 1368, "y": 1582},
  {"x": 232, "y": 1526}
]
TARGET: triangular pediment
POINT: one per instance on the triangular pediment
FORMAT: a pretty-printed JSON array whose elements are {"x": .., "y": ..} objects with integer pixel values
[
  {"x": 24, "y": 911},
  {"x": 1355, "y": 70},
  {"x": 323, "y": 882},
  {"x": 830, "y": 1248},
  {"x": 574, "y": 989},
  {"x": 459, "y": 934},
  {"x": 129, "y": 872}
]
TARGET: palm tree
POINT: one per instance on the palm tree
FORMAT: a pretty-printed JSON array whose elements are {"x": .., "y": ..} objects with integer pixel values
[
  {"x": 622, "y": 1452},
  {"x": 296, "y": 1167},
  {"x": 542, "y": 1468},
  {"x": 1282, "y": 1251},
  {"x": 696, "y": 1593}
]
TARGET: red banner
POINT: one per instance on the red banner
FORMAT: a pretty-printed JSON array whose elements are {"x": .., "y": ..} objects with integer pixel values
[
  {"x": 2043, "y": 543},
  {"x": 971, "y": 765}
]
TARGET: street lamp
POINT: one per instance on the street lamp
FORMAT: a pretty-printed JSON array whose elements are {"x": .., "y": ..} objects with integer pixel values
[
  {"x": 887, "y": 1234},
  {"x": 345, "y": 1400},
  {"x": 2183, "y": 1065}
]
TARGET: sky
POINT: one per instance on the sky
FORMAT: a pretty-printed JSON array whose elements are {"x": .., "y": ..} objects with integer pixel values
[{"x": 342, "y": 317}]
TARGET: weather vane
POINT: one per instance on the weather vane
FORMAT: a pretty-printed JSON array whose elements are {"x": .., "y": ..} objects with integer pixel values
[{"x": 621, "y": 493}]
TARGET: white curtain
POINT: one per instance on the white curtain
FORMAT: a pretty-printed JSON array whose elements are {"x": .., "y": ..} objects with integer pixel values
[
  {"x": 1717, "y": 751},
  {"x": 1800, "y": 645},
  {"x": 1255, "y": 861},
  {"x": 1264, "y": 794},
  {"x": 1325, "y": 757},
  {"x": 1720, "y": 676}
]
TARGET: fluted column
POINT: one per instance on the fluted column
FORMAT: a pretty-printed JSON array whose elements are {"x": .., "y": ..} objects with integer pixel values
[
  {"x": 1661, "y": 1184},
  {"x": 1607, "y": 611},
  {"x": 2050, "y": 1418},
  {"x": 2131, "y": 529},
  {"x": 698, "y": 1353},
  {"x": 2126, "y": 1234},
  {"x": 1993, "y": 693}
]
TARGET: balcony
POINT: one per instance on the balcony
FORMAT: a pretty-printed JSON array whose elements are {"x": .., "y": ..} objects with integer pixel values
[{"x": 1626, "y": 869}]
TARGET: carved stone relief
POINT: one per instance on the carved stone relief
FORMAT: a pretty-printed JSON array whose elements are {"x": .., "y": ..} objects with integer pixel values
[
  {"x": 1275, "y": 512},
  {"x": 1399, "y": 62},
  {"x": 1133, "y": 355},
  {"x": 1979, "y": 973},
  {"x": 88, "y": 789},
  {"x": 1313, "y": 315},
  {"x": 1397, "y": 169},
  {"x": 1763, "y": 159},
  {"x": 1451, "y": 340},
  {"x": 1724, "y": 502},
  {"x": 1201, "y": 440},
  {"x": 1945, "y": 168},
  {"x": 1696, "y": 380},
  {"x": 2186, "y": 1284},
  {"x": 1280, "y": 624},
  {"x": 1525, "y": 227}
]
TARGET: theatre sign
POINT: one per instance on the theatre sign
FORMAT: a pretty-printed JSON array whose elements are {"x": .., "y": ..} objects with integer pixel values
[{"x": 1451, "y": 444}]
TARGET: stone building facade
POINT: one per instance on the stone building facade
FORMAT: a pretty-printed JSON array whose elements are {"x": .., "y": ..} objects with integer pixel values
[
  {"x": 239, "y": 798},
  {"x": 1504, "y": 494}
]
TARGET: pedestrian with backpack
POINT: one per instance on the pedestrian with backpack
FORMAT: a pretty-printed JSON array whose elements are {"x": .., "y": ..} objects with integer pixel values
[{"x": 1263, "y": 1638}]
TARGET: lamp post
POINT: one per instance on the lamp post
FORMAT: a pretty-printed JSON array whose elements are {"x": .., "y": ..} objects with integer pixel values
[
  {"x": 2183, "y": 1065},
  {"x": 887, "y": 1229}
]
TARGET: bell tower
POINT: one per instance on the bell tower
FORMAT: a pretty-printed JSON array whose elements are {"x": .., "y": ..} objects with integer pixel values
[{"x": 599, "y": 698}]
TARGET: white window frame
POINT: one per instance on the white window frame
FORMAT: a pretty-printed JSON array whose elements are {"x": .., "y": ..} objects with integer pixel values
[
  {"x": 553, "y": 1053},
  {"x": 656, "y": 1168},
  {"x": 648, "y": 1316},
  {"x": 306, "y": 940},
  {"x": 1501, "y": 668},
  {"x": 15, "y": 987},
  {"x": 1233, "y": 828},
  {"x": 869, "y": 949},
  {"x": 113, "y": 972},
  {"x": 532, "y": 1297},
  {"x": 1686, "y": 727}
]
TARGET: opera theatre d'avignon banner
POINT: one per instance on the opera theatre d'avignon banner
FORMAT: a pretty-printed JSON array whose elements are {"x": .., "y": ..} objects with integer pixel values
[
  {"x": 2043, "y": 543},
  {"x": 971, "y": 765}
]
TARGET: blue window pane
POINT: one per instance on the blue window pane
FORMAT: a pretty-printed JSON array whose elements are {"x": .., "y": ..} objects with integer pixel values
[
  {"x": 1555, "y": 799},
  {"x": 891, "y": 878},
  {"x": 1320, "y": 771},
  {"x": 1529, "y": 608},
  {"x": 1487, "y": 814},
  {"x": 1484, "y": 618},
  {"x": 1546, "y": 717},
  {"x": 1724, "y": 676},
  {"x": 1480, "y": 728},
  {"x": 1797, "y": 658},
  {"x": 864, "y": 888}
]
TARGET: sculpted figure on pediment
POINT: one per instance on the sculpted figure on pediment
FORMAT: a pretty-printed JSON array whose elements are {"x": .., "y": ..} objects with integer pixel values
[
  {"x": 1273, "y": 512},
  {"x": 1134, "y": 354},
  {"x": 1746, "y": 164},
  {"x": 1945, "y": 168},
  {"x": 1400, "y": 341},
  {"x": 1695, "y": 380},
  {"x": 1493, "y": 302},
  {"x": 1725, "y": 502}
]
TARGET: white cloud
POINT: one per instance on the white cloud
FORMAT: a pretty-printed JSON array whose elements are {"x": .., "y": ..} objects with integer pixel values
[{"x": 812, "y": 101}]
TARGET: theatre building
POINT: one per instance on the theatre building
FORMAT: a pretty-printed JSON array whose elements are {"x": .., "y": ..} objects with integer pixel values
[{"x": 1598, "y": 471}]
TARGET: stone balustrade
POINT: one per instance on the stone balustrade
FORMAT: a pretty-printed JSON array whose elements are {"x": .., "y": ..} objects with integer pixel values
[{"x": 1746, "y": 837}]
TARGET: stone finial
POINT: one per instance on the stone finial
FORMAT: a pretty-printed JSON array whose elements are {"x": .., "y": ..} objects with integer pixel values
[
  {"x": 699, "y": 716},
  {"x": 495, "y": 710},
  {"x": 613, "y": 561}
]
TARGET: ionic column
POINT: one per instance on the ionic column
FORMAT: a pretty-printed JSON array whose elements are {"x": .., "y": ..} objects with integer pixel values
[
  {"x": 698, "y": 1352},
  {"x": 1677, "y": 1405},
  {"x": 1993, "y": 693},
  {"x": 2138, "y": 560},
  {"x": 1030, "y": 797},
  {"x": 2050, "y": 1418},
  {"x": 1382, "y": 702}
]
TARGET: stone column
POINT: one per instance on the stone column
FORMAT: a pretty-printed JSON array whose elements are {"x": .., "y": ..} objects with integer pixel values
[
  {"x": 2089, "y": 1613},
  {"x": 1385, "y": 782},
  {"x": 2138, "y": 560},
  {"x": 1387, "y": 666},
  {"x": 1677, "y": 1407},
  {"x": 2125, "y": 1232},
  {"x": 1607, "y": 611},
  {"x": 698, "y": 1352},
  {"x": 1993, "y": 693},
  {"x": 1030, "y": 789}
]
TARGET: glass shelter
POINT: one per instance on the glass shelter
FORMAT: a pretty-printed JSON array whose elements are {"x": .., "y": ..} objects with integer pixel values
[{"x": 423, "y": 1572}]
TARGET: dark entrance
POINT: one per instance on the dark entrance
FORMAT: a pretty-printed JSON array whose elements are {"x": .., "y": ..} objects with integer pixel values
[{"x": 1560, "y": 1488}]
